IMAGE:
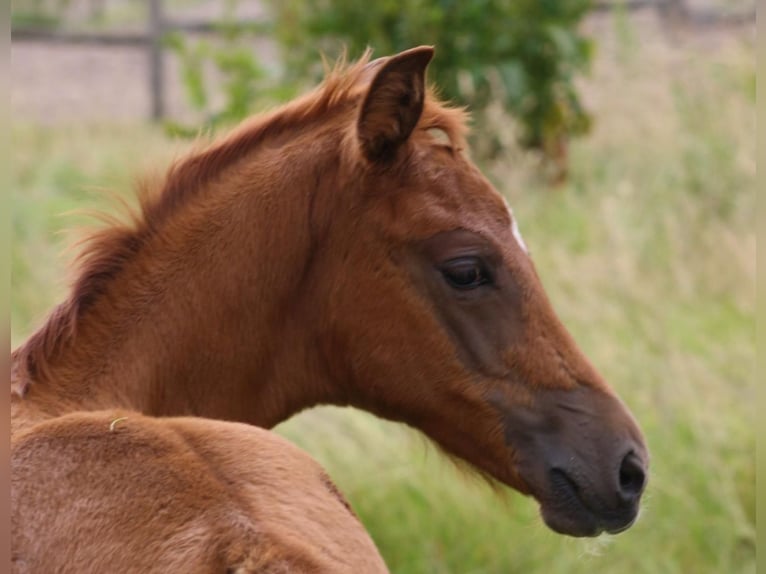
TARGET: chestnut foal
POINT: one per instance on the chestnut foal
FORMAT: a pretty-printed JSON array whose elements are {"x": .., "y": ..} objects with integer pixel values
[{"x": 331, "y": 252}]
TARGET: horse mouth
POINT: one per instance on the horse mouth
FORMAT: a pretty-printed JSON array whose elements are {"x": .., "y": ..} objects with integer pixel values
[{"x": 566, "y": 511}]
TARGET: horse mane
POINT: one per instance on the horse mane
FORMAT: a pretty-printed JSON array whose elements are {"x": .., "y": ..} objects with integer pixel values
[{"x": 104, "y": 253}]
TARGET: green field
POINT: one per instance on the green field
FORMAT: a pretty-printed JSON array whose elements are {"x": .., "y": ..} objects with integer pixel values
[{"x": 648, "y": 253}]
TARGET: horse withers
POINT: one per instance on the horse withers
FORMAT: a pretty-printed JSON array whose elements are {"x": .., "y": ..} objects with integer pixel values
[{"x": 333, "y": 251}]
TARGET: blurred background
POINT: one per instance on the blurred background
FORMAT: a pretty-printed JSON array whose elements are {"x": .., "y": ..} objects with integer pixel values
[{"x": 623, "y": 135}]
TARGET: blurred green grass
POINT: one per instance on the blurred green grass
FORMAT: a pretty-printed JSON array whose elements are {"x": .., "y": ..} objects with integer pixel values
[{"x": 648, "y": 254}]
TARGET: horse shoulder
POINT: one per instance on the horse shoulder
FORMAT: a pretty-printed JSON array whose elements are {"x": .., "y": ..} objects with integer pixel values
[{"x": 289, "y": 493}]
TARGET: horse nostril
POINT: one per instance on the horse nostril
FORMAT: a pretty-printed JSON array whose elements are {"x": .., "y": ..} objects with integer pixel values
[{"x": 632, "y": 477}]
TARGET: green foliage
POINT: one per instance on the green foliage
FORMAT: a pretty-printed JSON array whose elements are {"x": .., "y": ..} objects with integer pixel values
[
  {"x": 37, "y": 13},
  {"x": 230, "y": 64},
  {"x": 34, "y": 20},
  {"x": 525, "y": 54}
]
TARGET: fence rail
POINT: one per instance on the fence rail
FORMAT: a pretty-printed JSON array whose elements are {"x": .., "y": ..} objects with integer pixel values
[
  {"x": 129, "y": 38},
  {"x": 681, "y": 10}
]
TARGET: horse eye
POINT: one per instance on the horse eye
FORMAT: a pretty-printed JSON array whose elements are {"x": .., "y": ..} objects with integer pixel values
[{"x": 466, "y": 273}]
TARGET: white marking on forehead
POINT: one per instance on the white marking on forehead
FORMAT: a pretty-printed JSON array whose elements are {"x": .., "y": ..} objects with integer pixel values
[{"x": 515, "y": 229}]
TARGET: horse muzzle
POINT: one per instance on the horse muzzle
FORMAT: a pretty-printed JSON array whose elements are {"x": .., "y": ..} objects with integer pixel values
[
  {"x": 573, "y": 505},
  {"x": 583, "y": 458}
]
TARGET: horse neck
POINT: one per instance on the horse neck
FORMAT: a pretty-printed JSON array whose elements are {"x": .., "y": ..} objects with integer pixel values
[{"x": 211, "y": 317}]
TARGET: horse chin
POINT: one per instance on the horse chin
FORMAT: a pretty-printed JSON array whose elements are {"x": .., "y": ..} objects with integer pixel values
[
  {"x": 572, "y": 517},
  {"x": 579, "y": 523}
]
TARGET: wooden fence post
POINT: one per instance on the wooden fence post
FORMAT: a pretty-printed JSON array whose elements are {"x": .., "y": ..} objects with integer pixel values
[{"x": 156, "y": 68}]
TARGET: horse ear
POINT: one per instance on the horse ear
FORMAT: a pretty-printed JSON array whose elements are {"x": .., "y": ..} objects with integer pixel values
[{"x": 393, "y": 103}]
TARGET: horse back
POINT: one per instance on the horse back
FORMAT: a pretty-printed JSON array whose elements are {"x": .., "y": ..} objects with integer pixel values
[{"x": 118, "y": 491}]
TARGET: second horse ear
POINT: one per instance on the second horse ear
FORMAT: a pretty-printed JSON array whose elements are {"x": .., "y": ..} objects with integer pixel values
[{"x": 393, "y": 103}]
